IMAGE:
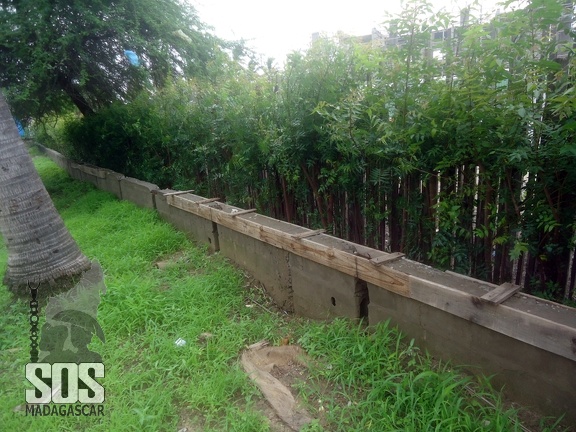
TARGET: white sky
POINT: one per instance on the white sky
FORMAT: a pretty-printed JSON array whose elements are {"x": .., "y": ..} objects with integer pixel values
[{"x": 274, "y": 28}]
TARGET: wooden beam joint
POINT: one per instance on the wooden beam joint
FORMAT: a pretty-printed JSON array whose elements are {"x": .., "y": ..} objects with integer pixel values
[
  {"x": 388, "y": 258},
  {"x": 206, "y": 201},
  {"x": 241, "y": 212},
  {"x": 177, "y": 193},
  {"x": 501, "y": 293},
  {"x": 307, "y": 234}
]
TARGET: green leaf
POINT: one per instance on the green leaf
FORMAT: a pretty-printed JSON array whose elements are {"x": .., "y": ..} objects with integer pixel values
[
  {"x": 568, "y": 150},
  {"x": 522, "y": 112},
  {"x": 549, "y": 64},
  {"x": 518, "y": 249}
]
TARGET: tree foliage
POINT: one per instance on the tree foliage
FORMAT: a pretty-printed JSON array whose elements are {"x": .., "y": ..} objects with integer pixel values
[
  {"x": 57, "y": 52},
  {"x": 457, "y": 152}
]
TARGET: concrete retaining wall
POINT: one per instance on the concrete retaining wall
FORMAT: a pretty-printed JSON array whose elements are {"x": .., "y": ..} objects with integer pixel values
[
  {"x": 57, "y": 158},
  {"x": 75, "y": 171},
  {"x": 138, "y": 191},
  {"x": 269, "y": 265},
  {"x": 533, "y": 376},
  {"x": 196, "y": 228},
  {"x": 322, "y": 292},
  {"x": 528, "y": 344},
  {"x": 110, "y": 182},
  {"x": 92, "y": 174}
]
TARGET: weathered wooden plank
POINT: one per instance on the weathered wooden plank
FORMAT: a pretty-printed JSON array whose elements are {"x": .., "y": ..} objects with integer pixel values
[
  {"x": 389, "y": 279},
  {"x": 307, "y": 234},
  {"x": 384, "y": 277},
  {"x": 471, "y": 279},
  {"x": 534, "y": 330},
  {"x": 502, "y": 293},
  {"x": 524, "y": 326},
  {"x": 206, "y": 201},
  {"x": 241, "y": 212},
  {"x": 190, "y": 206},
  {"x": 177, "y": 193},
  {"x": 388, "y": 258}
]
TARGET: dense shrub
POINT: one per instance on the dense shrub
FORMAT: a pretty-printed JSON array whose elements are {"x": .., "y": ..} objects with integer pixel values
[
  {"x": 461, "y": 159},
  {"x": 104, "y": 139},
  {"x": 190, "y": 133},
  {"x": 51, "y": 132}
]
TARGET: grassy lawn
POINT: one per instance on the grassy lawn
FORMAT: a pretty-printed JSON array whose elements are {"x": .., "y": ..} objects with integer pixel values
[{"x": 358, "y": 381}]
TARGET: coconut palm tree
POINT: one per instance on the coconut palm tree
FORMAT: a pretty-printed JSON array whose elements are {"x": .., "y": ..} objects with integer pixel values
[{"x": 40, "y": 248}]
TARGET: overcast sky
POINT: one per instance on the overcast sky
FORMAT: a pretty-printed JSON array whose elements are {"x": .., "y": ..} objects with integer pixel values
[{"x": 275, "y": 28}]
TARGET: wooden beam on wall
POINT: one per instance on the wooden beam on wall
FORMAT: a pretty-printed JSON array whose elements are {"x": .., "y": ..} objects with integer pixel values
[
  {"x": 388, "y": 258},
  {"x": 524, "y": 326},
  {"x": 178, "y": 193},
  {"x": 205, "y": 201},
  {"x": 502, "y": 293},
  {"x": 241, "y": 212},
  {"x": 531, "y": 329},
  {"x": 384, "y": 277},
  {"x": 307, "y": 234}
]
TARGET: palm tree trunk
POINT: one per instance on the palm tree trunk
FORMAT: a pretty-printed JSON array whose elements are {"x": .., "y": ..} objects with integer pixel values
[{"x": 40, "y": 248}]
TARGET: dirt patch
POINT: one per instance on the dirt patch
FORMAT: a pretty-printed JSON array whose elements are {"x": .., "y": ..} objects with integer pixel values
[
  {"x": 177, "y": 259},
  {"x": 257, "y": 296},
  {"x": 190, "y": 421},
  {"x": 531, "y": 421},
  {"x": 290, "y": 374},
  {"x": 272, "y": 368},
  {"x": 170, "y": 260},
  {"x": 276, "y": 424}
]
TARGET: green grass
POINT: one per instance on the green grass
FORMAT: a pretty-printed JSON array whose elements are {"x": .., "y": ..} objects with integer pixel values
[
  {"x": 361, "y": 380},
  {"x": 382, "y": 383}
]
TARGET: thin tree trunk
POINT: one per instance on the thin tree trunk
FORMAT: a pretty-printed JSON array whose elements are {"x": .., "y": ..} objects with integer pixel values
[
  {"x": 382, "y": 225},
  {"x": 530, "y": 269},
  {"x": 74, "y": 93},
  {"x": 286, "y": 200},
  {"x": 518, "y": 276},
  {"x": 356, "y": 225},
  {"x": 40, "y": 248},
  {"x": 570, "y": 290},
  {"x": 427, "y": 220},
  {"x": 405, "y": 194},
  {"x": 394, "y": 224},
  {"x": 313, "y": 182},
  {"x": 490, "y": 201}
]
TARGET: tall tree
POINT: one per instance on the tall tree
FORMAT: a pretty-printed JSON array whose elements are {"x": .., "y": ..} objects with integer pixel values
[
  {"x": 40, "y": 248},
  {"x": 57, "y": 52}
]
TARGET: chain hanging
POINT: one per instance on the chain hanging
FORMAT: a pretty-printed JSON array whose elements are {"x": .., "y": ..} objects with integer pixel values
[{"x": 33, "y": 323}]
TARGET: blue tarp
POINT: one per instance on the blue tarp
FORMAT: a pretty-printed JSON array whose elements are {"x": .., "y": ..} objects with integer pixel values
[
  {"x": 20, "y": 127},
  {"x": 132, "y": 57}
]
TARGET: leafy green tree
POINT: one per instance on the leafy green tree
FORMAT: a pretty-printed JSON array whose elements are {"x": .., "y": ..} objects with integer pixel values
[
  {"x": 298, "y": 145},
  {"x": 60, "y": 52},
  {"x": 452, "y": 145}
]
